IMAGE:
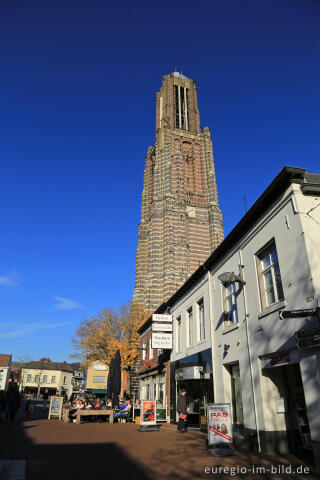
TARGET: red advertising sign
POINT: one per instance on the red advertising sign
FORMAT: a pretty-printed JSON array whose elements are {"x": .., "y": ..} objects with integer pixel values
[
  {"x": 219, "y": 423},
  {"x": 148, "y": 412}
]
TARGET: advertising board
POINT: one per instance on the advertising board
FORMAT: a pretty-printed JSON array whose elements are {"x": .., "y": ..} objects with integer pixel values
[
  {"x": 55, "y": 408},
  {"x": 161, "y": 340},
  {"x": 219, "y": 424},
  {"x": 148, "y": 412}
]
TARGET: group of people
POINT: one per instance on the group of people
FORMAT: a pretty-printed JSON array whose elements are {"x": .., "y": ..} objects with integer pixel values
[{"x": 96, "y": 404}]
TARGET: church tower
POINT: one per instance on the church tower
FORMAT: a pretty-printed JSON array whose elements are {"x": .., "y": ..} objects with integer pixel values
[{"x": 181, "y": 222}]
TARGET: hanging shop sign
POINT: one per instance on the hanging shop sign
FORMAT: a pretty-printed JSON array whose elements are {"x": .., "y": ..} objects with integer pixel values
[
  {"x": 219, "y": 424},
  {"x": 161, "y": 327},
  {"x": 302, "y": 313},
  {"x": 148, "y": 412},
  {"x": 156, "y": 317},
  {"x": 161, "y": 340}
]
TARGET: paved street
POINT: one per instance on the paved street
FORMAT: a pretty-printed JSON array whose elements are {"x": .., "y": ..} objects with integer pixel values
[{"x": 56, "y": 450}]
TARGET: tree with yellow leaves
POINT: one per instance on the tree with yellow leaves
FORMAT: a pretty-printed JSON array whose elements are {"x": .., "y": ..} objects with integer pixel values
[{"x": 98, "y": 338}]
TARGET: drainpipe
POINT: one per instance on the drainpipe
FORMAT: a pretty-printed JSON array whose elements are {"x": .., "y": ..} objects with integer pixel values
[
  {"x": 213, "y": 350},
  {"x": 250, "y": 358}
]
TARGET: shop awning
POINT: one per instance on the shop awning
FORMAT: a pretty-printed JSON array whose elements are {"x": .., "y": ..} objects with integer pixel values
[{"x": 100, "y": 390}]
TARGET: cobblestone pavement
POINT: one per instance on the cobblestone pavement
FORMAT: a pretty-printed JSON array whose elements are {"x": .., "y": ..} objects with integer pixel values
[{"x": 56, "y": 450}]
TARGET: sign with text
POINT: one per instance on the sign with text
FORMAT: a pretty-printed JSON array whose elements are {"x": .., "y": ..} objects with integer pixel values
[
  {"x": 307, "y": 312},
  {"x": 161, "y": 327},
  {"x": 219, "y": 424},
  {"x": 161, "y": 340},
  {"x": 55, "y": 408},
  {"x": 161, "y": 318},
  {"x": 148, "y": 412}
]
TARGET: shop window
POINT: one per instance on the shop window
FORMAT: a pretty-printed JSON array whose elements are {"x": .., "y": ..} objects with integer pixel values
[
  {"x": 161, "y": 395},
  {"x": 230, "y": 304},
  {"x": 269, "y": 276},
  {"x": 154, "y": 391}
]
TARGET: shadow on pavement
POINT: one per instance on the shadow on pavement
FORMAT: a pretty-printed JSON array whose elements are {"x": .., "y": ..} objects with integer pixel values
[{"x": 52, "y": 461}]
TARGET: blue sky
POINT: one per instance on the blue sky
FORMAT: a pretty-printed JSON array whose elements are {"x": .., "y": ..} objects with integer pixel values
[{"x": 77, "y": 113}]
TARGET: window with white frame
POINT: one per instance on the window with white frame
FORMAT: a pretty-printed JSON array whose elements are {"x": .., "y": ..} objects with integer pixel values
[
  {"x": 178, "y": 334},
  {"x": 1, "y": 377},
  {"x": 190, "y": 326},
  {"x": 161, "y": 397},
  {"x": 29, "y": 378},
  {"x": 230, "y": 304},
  {"x": 64, "y": 380},
  {"x": 53, "y": 379},
  {"x": 144, "y": 351},
  {"x": 154, "y": 391},
  {"x": 45, "y": 379},
  {"x": 201, "y": 320},
  {"x": 269, "y": 276},
  {"x": 150, "y": 349},
  {"x": 37, "y": 378}
]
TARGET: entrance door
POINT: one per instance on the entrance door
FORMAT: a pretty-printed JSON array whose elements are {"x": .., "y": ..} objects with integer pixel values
[
  {"x": 198, "y": 396},
  {"x": 299, "y": 436},
  {"x": 237, "y": 406}
]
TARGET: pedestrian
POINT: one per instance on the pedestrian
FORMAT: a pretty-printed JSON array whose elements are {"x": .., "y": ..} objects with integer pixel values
[
  {"x": 182, "y": 411},
  {"x": 46, "y": 394},
  {"x": 28, "y": 409},
  {"x": 13, "y": 402}
]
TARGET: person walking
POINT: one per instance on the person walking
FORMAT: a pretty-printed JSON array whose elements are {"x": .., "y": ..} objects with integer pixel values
[
  {"x": 13, "y": 402},
  {"x": 28, "y": 409},
  {"x": 182, "y": 411}
]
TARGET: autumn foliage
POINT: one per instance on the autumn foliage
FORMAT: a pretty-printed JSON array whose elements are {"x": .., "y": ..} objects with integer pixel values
[{"x": 98, "y": 338}]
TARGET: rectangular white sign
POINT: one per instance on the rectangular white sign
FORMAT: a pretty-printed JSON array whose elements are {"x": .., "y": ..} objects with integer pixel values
[
  {"x": 161, "y": 340},
  {"x": 161, "y": 318},
  {"x": 162, "y": 327},
  {"x": 219, "y": 423}
]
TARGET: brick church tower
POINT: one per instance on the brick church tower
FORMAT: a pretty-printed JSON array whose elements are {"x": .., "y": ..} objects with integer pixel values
[{"x": 181, "y": 222}]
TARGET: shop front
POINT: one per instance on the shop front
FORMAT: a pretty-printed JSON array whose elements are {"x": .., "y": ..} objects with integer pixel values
[
  {"x": 194, "y": 374},
  {"x": 153, "y": 387}
]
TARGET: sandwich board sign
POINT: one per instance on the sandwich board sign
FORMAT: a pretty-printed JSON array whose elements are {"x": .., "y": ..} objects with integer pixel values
[
  {"x": 148, "y": 413},
  {"x": 55, "y": 408},
  {"x": 219, "y": 424}
]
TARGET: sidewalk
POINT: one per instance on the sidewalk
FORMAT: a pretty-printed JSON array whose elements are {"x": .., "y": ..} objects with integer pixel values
[{"x": 55, "y": 450}]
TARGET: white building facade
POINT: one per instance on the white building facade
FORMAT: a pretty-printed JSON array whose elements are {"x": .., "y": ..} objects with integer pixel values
[
  {"x": 269, "y": 373},
  {"x": 5, "y": 369}
]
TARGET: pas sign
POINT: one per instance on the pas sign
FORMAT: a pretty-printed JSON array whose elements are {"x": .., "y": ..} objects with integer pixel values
[{"x": 219, "y": 423}]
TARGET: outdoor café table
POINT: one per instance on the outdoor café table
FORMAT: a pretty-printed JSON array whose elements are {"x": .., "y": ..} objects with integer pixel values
[{"x": 83, "y": 412}]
